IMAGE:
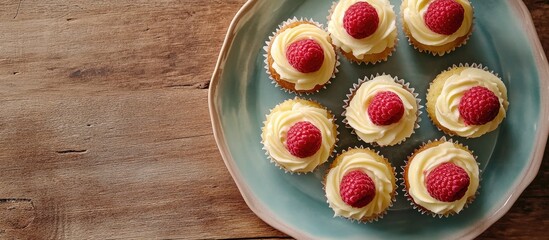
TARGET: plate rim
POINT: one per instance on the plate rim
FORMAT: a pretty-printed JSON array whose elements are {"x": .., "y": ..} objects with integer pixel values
[{"x": 514, "y": 192}]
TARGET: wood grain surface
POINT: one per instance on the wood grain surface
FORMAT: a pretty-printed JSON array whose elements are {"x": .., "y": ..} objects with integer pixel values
[{"x": 105, "y": 132}]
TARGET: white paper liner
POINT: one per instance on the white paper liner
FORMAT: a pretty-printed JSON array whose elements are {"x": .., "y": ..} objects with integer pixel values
[
  {"x": 266, "y": 55},
  {"x": 356, "y": 86},
  {"x": 393, "y": 199},
  {"x": 329, "y": 18},
  {"x": 329, "y": 157},
  {"x": 421, "y": 209},
  {"x": 472, "y": 65},
  {"x": 440, "y": 54}
]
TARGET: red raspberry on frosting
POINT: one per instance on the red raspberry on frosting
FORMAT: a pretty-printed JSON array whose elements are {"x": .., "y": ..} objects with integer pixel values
[
  {"x": 447, "y": 182},
  {"x": 357, "y": 189},
  {"x": 305, "y": 55},
  {"x": 478, "y": 106},
  {"x": 385, "y": 108},
  {"x": 360, "y": 20},
  {"x": 444, "y": 16},
  {"x": 303, "y": 139}
]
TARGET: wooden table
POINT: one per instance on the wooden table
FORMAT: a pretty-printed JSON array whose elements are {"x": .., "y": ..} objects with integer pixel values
[{"x": 105, "y": 132}]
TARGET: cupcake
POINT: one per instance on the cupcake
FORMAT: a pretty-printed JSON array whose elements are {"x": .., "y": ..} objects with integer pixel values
[
  {"x": 382, "y": 110},
  {"x": 299, "y": 135},
  {"x": 300, "y": 56},
  {"x": 438, "y": 26},
  {"x": 467, "y": 101},
  {"x": 364, "y": 30},
  {"x": 441, "y": 178},
  {"x": 360, "y": 185}
]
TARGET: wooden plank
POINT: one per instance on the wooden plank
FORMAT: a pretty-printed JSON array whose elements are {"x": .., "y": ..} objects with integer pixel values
[
  {"x": 538, "y": 10},
  {"x": 104, "y": 121},
  {"x": 527, "y": 219},
  {"x": 120, "y": 166},
  {"x": 104, "y": 126},
  {"x": 110, "y": 45}
]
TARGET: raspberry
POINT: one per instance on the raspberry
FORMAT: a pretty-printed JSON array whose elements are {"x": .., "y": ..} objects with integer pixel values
[
  {"x": 305, "y": 55},
  {"x": 303, "y": 139},
  {"x": 478, "y": 106},
  {"x": 357, "y": 189},
  {"x": 360, "y": 20},
  {"x": 447, "y": 182},
  {"x": 385, "y": 108},
  {"x": 444, "y": 16}
]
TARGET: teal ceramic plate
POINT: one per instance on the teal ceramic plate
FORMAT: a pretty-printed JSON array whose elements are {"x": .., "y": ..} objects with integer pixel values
[{"x": 241, "y": 94}]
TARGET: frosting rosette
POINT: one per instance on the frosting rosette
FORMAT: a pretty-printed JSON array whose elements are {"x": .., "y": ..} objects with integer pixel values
[
  {"x": 428, "y": 158},
  {"x": 357, "y": 115},
  {"x": 413, "y": 12},
  {"x": 282, "y": 118},
  {"x": 280, "y": 68},
  {"x": 447, "y": 91},
  {"x": 383, "y": 39},
  {"x": 380, "y": 172},
  {"x": 437, "y": 26}
]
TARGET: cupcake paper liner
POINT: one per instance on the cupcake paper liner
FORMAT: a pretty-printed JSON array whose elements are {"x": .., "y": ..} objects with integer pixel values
[
  {"x": 329, "y": 18},
  {"x": 375, "y": 62},
  {"x": 440, "y": 54},
  {"x": 355, "y": 87},
  {"x": 472, "y": 65},
  {"x": 330, "y": 12},
  {"x": 393, "y": 197},
  {"x": 419, "y": 208},
  {"x": 333, "y": 152},
  {"x": 266, "y": 55}
]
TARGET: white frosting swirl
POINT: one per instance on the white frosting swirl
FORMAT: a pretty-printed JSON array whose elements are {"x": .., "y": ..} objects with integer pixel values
[
  {"x": 358, "y": 118},
  {"x": 370, "y": 163},
  {"x": 414, "y": 11},
  {"x": 447, "y": 103},
  {"x": 279, "y": 122},
  {"x": 303, "y": 81},
  {"x": 384, "y": 37},
  {"x": 430, "y": 158}
]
